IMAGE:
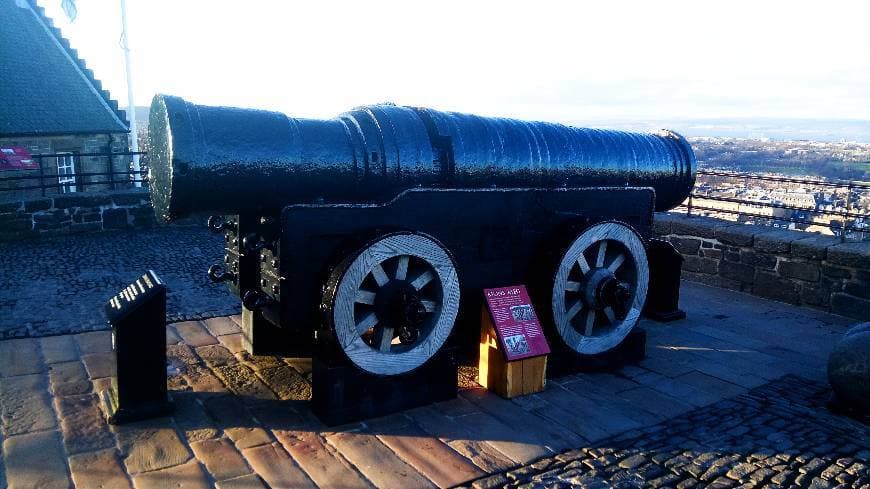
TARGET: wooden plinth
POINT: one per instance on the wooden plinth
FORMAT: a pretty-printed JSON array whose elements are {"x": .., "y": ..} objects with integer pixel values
[{"x": 507, "y": 379}]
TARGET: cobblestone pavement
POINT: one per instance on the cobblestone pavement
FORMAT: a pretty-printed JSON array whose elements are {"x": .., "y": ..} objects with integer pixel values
[
  {"x": 777, "y": 435},
  {"x": 244, "y": 421},
  {"x": 59, "y": 285}
]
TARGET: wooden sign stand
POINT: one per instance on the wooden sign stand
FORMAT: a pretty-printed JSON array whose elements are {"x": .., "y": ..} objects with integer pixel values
[{"x": 508, "y": 378}]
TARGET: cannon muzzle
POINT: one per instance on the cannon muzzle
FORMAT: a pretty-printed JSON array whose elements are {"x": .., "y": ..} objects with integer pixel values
[{"x": 232, "y": 160}]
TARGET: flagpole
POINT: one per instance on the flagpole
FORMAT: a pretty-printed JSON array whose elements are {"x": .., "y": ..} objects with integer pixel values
[{"x": 131, "y": 109}]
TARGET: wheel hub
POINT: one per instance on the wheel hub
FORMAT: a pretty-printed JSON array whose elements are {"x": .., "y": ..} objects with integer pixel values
[
  {"x": 604, "y": 289},
  {"x": 399, "y": 305}
]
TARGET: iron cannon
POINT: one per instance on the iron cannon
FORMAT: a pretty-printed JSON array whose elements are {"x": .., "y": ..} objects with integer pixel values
[{"x": 367, "y": 237}]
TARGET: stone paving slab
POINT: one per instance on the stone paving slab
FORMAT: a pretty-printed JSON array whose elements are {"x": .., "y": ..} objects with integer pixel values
[
  {"x": 58, "y": 285},
  {"x": 244, "y": 421}
]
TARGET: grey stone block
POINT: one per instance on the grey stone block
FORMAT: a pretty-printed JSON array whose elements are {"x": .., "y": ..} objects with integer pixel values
[
  {"x": 686, "y": 246},
  {"x": 711, "y": 253},
  {"x": 858, "y": 289},
  {"x": 853, "y": 255},
  {"x": 836, "y": 272},
  {"x": 701, "y": 227},
  {"x": 737, "y": 271},
  {"x": 816, "y": 294},
  {"x": 736, "y": 234},
  {"x": 115, "y": 218},
  {"x": 756, "y": 259},
  {"x": 770, "y": 286},
  {"x": 709, "y": 265},
  {"x": 692, "y": 263},
  {"x": 11, "y": 207},
  {"x": 661, "y": 225},
  {"x": 37, "y": 205},
  {"x": 799, "y": 270},
  {"x": 775, "y": 240},
  {"x": 814, "y": 247},
  {"x": 82, "y": 200},
  {"x": 850, "y": 306},
  {"x": 132, "y": 197}
]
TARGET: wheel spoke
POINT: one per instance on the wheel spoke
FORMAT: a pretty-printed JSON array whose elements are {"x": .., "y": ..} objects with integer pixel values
[
  {"x": 365, "y": 297},
  {"x": 616, "y": 263},
  {"x": 572, "y": 286},
  {"x": 423, "y": 279},
  {"x": 608, "y": 311},
  {"x": 402, "y": 267},
  {"x": 379, "y": 275},
  {"x": 602, "y": 249},
  {"x": 367, "y": 323},
  {"x": 584, "y": 265},
  {"x": 429, "y": 305},
  {"x": 386, "y": 339},
  {"x": 574, "y": 310},
  {"x": 590, "y": 322}
]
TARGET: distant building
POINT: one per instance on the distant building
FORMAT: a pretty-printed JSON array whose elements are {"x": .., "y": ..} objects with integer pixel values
[{"x": 50, "y": 103}]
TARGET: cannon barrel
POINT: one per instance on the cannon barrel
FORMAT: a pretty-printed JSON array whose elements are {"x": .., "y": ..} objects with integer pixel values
[{"x": 233, "y": 160}]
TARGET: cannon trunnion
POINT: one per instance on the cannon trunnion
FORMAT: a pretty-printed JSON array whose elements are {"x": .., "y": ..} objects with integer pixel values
[{"x": 363, "y": 240}]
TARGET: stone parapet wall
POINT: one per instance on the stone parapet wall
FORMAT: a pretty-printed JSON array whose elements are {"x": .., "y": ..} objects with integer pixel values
[
  {"x": 800, "y": 268},
  {"x": 75, "y": 213}
]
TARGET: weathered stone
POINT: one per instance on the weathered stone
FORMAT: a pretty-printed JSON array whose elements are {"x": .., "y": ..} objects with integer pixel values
[
  {"x": 701, "y": 227},
  {"x": 82, "y": 200},
  {"x": 247, "y": 437},
  {"x": 850, "y": 306},
  {"x": 775, "y": 240},
  {"x": 216, "y": 355},
  {"x": 220, "y": 458},
  {"x": 192, "y": 420},
  {"x": 61, "y": 348},
  {"x": 135, "y": 197},
  {"x": 756, "y": 259},
  {"x": 115, "y": 218},
  {"x": 692, "y": 263},
  {"x": 220, "y": 326},
  {"x": 94, "y": 342},
  {"x": 98, "y": 470},
  {"x": 735, "y": 234},
  {"x": 232, "y": 342},
  {"x": 858, "y": 289},
  {"x": 273, "y": 464},
  {"x": 849, "y": 368},
  {"x": 772, "y": 287},
  {"x": 150, "y": 445},
  {"x": 836, "y": 272},
  {"x": 377, "y": 462},
  {"x": 194, "y": 334},
  {"x": 35, "y": 460},
  {"x": 181, "y": 356},
  {"x": 633, "y": 462},
  {"x": 251, "y": 481},
  {"x": 686, "y": 246},
  {"x": 99, "y": 365},
  {"x": 852, "y": 255},
  {"x": 319, "y": 460},
  {"x": 20, "y": 357},
  {"x": 736, "y": 271},
  {"x": 287, "y": 383},
  {"x": 815, "y": 294},
  {"x": 172, "y": 337},
  {"x": 25, "y": 405},
  {"x": 712, "y": 280},
  {"x": 8, "y": 207},
  {"x": 187, "y": 476},
  {"x": 37, "y": 205},
  {"x": 813, "y": 247},
  {"x": 82, "y": 424},
  {"x": 201, "y": 379},
  {"x": 259, "y": 362},
  {"x": 242, "y": 381},
  {"x": 712, "y": 253},
  {"x": 799, "y": 270},
  {"x": 68, "y": 378}
]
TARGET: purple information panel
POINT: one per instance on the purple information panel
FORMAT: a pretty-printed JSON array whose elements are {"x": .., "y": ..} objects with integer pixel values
[{"x": 516, "y": 323}]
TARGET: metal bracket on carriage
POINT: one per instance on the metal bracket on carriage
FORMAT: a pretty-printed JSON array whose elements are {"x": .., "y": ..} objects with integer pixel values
[
  {"x": 253, "y": 243},
  {"x": 218, "y": 273},
  {"x": 218, "y": 224},
  {"x": 256, "y": 300}
]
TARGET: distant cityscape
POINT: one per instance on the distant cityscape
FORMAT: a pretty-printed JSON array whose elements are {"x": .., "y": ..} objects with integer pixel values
[{"x": 812, "y": 186}]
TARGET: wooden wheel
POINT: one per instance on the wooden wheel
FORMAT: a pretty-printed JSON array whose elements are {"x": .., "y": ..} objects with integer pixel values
[
  {"x": 395, "y": 303},
  {"x": 600, "y": 288}
]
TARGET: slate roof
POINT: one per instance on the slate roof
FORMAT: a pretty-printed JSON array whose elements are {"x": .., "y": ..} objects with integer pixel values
[{"x": 45, "y": 88}]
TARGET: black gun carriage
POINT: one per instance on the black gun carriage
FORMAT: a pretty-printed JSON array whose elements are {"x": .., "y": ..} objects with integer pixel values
[{"x": 362, "y": 240}]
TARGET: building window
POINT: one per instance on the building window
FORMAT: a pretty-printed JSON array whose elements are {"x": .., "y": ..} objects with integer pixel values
[{"x": 66, "y": 169}]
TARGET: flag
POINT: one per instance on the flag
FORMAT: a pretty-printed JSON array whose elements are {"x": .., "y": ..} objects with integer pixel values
[{"x": 69, "y": 8}]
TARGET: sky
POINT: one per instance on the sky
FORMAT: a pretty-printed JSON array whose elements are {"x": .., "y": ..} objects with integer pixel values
[{"x": 556, "y": 61}]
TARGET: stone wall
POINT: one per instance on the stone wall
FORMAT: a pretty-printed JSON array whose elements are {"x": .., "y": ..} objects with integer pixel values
[
  {"x": 75, "y": 213},
  {"x": 800, "y": 268}
]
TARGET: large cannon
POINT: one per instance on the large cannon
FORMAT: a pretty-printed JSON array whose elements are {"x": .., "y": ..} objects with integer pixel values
[{"x": 368, "y": 236}]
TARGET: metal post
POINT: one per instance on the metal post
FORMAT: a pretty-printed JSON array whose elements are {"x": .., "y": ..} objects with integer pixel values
[{"x": 131, "y": 109}]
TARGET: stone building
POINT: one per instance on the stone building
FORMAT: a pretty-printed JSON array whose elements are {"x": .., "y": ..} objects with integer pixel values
[{"x": 50, "y": 103}]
